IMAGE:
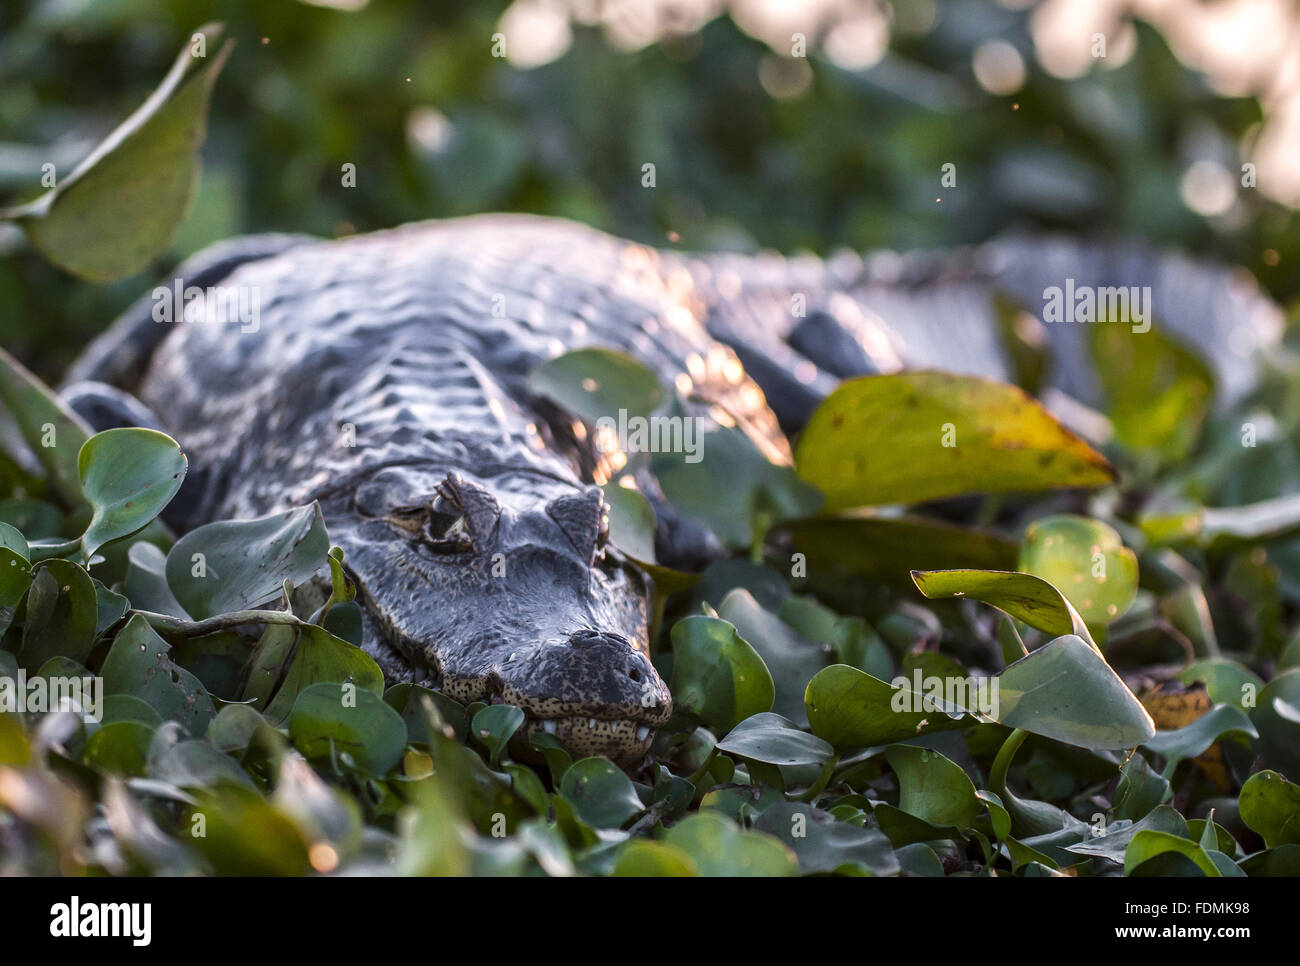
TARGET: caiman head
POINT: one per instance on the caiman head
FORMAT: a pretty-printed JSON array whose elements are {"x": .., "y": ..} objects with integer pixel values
[{"x": 507, "y": 588}]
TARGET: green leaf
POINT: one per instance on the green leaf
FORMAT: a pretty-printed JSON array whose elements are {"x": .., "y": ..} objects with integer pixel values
[
  {"x": 53, "y": 432},
  {"x": 62, "y": 613},
  {"x": 631, "y": 522},
  {"x": 851, "y": 709},
  {"x": 494, "y": 726},
  {"x": 119, "y": 208},
  {"x": 600, "y": 793},
  {"x": 645, "y": 857},
  {"x": 1086, "y": 561},
  {"x": 823, "y": 845},
  {"x": 1193, "y": 739},
  {"x": 1023, "y": 596},
  {"x": 1157, "y": 392},
  {"x": 331, "y": 717},
  {"x": 881, "y": 439},
  {"x": 243, "y": 563},
  {"x": 859, "y": 543},
  {"x": 775, "y": 740},
  {"x": 717, "y": 675},
  {"x": 595, "y": 384},
  {"x": 791, "y": 660},
  {"x": 1149, "y": 844},
  {"x": 759, "y": 493},
  {"x": 933, "y": 788},
  {"x": 121, "y": 748},
  {"x": 1065, "y": 690},
  {"x": 1270, "y": 805},
  {"x": 127, "y": 476},
  {"x": 719, "y": 848},
  {"x": 320, "y": 657},
  {"x": 139, "y": 663}
]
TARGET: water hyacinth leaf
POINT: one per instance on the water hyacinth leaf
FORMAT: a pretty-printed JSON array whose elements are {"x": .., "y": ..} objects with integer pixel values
[
  {"x": 111, "y": 607},
  {"x": 1086, "y": 561},
  {"x": 760, "y": 493},
  {"x": 775, "y": 740},
  {"x": 1065, "y": 690},
  {"x": 139, "y": 663},
  {"x": 245, "y": 834},
  {"x": 933, "y": 788},
  {"x": 631, "y": 522},
  {"x": 127, "y": 707},
  {"x": 646, "y": 857},
  {"x": 598, "y": 384},
  {"x": 601, "y": 794},
  {"x": 1279, "y": 739},
  {"x": 128, "y": 476},
  {"x": 851, "y": 709},
  {"x": 121, "y": 748},
  {"x": 1270, "y": 805},
  {"x": 1226, "y": 681},
  {"x": 52, "y": 431},
  {"x": 1024, "y": 596},
  {"x": 823, "y": 845},
  {"x": 1193, "y": 739},
  {"x": 237, "y": 564},
  {"x": 329, "y": 718},
  {"x": 791, "y": 660},
  {"x": 1156, "y": 391},
  {"x": 15, "y": 578},
  {"x": 11, "y": 538},
  {"x": 720, "y": 848},
  {"x": 320, "y": 657},
  {"x": 118, "y": 209},
  {"x": 717, "y": 675},
  {"x": 62, "y": 613},
  {"x": 917, "y": 436},
  {"x": 860, "y": 543},
  {"x": 146, "y": 581},
  {"x": 1148, "y": 845},
  {"x": 494, "y": 726}
]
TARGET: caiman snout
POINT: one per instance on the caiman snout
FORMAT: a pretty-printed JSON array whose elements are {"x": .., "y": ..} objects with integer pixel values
[{"x": 595, "y": 691}]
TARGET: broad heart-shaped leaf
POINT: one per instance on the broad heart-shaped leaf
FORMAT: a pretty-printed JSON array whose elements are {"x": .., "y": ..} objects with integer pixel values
[
  {"x": 933, "y": 788},
  {"x": 851, "y": 709},
  {"x": 760, "y": 493},
  {"x": 495, "y": 725},
  {"x": 118, "y": 209},
  {"x": 1065, "y": 690},
  {"x": 127, "y": 476},
  {"x": 62, "y": 613},
  {"x": 861, "y": 543},
  {"x": 631, "y": 522},
  {"x": 791, "y": 660},
  {"x": 1086, "y": 560},
  {"x": 716, "y": 674},
  {"x": 775, "y": 740},
  {"x": 598, "y": 384},
  {"x": 331, "y": 717},
  {"x": 246, "y": 562},
  {"x": 824, "y": 845},
  {"x": 648, "y": 858},
  {"x": 139, "y": 663},
  {"x": 601, "y": 794},
  {"x": 915, "y": 436},
  {"x": 1193, "y": 739},
  {"x": 1150, "y": 844},
  {"x": 720, "y": 848},
  {"x": 1270, "y": 805},
  {"x": 1023, "y": 596},
  {"x": 320, "y": 657},
  {"x": 52, "y": 431}
]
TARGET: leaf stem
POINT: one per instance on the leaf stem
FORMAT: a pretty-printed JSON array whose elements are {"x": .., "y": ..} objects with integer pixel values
[
  {"x": 1002, "y": 763},
  {"x": 177, "y": 625}
]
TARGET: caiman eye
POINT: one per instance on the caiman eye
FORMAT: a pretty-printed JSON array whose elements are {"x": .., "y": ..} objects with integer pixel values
[
  {"x": 602, "y": 535},
  {"x": 445, "y": 530}
]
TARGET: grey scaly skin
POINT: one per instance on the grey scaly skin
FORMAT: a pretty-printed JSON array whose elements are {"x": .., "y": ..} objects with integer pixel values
[{"x": 386, "y": 377}]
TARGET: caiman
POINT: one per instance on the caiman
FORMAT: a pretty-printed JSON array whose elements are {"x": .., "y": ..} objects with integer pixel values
[{"x": 386, "y": 376}]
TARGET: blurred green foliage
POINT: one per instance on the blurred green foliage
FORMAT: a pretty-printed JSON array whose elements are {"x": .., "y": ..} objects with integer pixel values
[{"x": 408, "y": 92}]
